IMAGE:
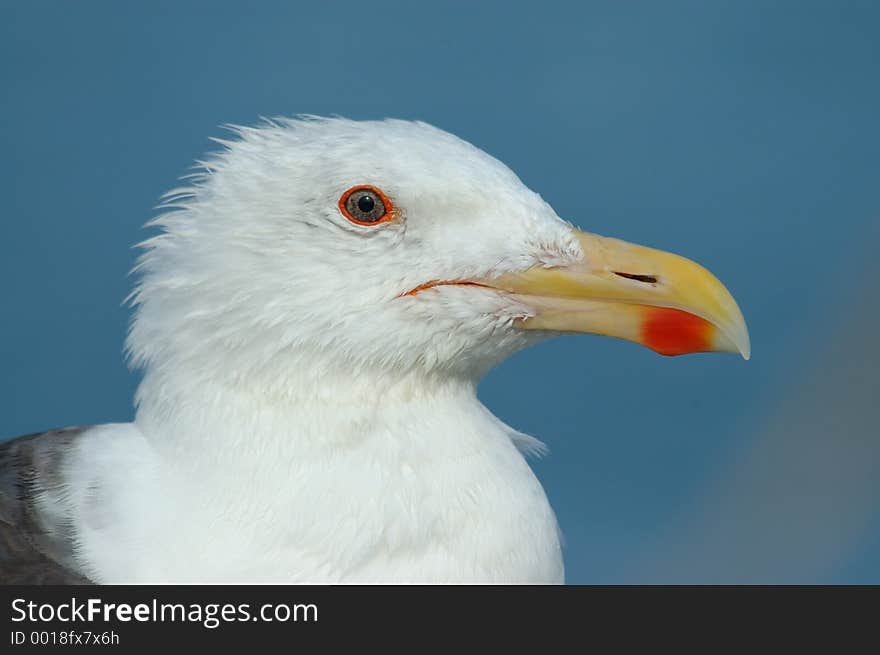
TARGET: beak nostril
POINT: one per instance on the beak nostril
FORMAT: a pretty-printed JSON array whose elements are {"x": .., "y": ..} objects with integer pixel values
[{"x": 648, "y": 279}]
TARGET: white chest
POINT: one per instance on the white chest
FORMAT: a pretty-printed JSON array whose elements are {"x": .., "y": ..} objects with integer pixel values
[{"x": 416, "y": 496}]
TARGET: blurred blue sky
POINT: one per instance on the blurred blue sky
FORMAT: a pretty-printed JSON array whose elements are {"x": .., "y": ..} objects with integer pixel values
[{"x": 741, "y": 134}]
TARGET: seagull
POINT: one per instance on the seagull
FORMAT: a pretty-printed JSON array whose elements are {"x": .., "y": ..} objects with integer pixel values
[{"x": 311, "y": 320}]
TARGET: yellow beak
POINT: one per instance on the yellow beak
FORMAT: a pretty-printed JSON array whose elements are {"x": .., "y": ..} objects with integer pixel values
[{"x": 663, "y": 301}]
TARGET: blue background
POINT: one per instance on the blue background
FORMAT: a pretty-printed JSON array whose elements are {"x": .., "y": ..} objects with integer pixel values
[{"x": 742, "y": 134}]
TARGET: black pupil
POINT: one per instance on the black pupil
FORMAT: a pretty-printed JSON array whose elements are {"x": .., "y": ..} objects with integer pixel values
[{"x": 366, "y": 203}]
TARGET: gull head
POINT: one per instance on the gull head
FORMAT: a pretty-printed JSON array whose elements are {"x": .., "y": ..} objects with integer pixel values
[{"x": 395, "y": 247}]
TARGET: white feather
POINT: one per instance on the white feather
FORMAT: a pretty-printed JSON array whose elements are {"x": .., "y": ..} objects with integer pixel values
[{"x": 299, "y": 420}]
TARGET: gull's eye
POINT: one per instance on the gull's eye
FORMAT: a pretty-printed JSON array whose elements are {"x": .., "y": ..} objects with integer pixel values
[{"x": 365, "y": 205}]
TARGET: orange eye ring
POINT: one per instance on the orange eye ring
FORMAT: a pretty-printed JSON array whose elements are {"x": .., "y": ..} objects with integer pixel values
[{"x": 366, "y": 205}]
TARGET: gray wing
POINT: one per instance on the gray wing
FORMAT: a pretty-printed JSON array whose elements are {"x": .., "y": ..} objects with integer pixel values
[{"x": 35, "y": 548}]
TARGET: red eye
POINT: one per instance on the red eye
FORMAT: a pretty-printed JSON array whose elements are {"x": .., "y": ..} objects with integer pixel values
[{"x": 366, "y": 205}]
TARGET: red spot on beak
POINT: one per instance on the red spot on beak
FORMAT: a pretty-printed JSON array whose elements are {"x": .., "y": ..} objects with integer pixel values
[{"x": 674, "y": 332}]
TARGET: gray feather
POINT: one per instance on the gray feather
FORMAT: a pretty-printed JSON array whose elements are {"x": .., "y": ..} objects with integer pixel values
[{"x": 35, "y": 548}]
